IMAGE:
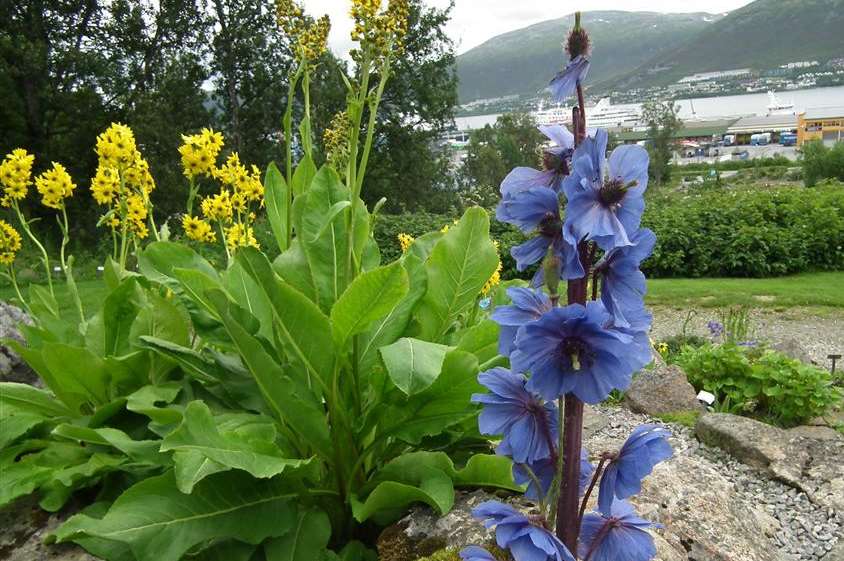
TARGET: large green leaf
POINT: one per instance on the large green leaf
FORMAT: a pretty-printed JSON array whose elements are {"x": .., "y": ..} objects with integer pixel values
[
  {"x": 31, "y": 400},
  {"x": 31, "y": 464},
  {"x": 139, "y": 451},
  {"x": 147, "y": 400},
  {"x": 370, "y": 297},
  {"x": 198, "y": 433},
  {"x": 159, "y": 259},
  {"x": 484, "y": 470},
  {"x": 293, "y": 268},
  {"x": 413, "y": 365},
  {"x": 304, "y": 331},
  {"x": 459, "y": 265},
  {"x": 303, "y": 176},
  {"x": 160, "y": 523},
  {"x": 161, "y": 318},
  {"x": 249, "y": 296},
  {"x": 277, "y": 202},
  {"x": 481, "y": 340},
  {"x": 306, "y": 541}
]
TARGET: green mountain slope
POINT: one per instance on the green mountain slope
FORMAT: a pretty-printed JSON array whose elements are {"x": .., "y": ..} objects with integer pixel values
[
  {"x": 522, "y": 61},
  {"x": 763, "y": 34}
]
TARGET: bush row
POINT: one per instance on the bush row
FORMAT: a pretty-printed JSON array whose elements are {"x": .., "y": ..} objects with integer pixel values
[{"x": 723, "y": 232}]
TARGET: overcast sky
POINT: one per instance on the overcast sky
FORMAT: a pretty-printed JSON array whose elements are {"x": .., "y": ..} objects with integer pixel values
[{"x": 475, "y": 21}]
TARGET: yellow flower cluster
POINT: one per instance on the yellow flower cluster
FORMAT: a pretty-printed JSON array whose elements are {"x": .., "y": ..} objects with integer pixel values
[
  {"x": 116, "y": 147},
  {"x": 199, "y": 152},
  {"x": 405, "y": 241},
  {"x": 662, "y": 349},
  {"x": 16, "y": 175},
  {"x": 198, "y": 229},
  {"x": 245, "y": 184},
  {"x": 336, "y": 141},
  {"x": 383, "y": 32},
  {"x": 240, "y": 235},
  {"x": 105, "y": 185},
  {"x": 493, "y": 281},
  {"x": 55, "y": 185},
  {"x": 10, "y": 243},
  {"x": 218, "y": 207},
  {"x": 310, "y": 37}
]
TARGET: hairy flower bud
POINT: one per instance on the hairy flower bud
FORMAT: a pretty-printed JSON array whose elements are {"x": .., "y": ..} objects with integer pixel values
[{"x": 578, "y": 41}]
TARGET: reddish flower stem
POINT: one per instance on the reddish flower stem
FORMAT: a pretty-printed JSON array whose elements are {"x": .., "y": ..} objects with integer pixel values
[{"x": 588, "y": 493}]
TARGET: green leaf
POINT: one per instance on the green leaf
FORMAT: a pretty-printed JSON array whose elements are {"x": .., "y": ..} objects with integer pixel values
[
  {"x": 161, "y": 318},
  {"x": 145, "y": 402},
  {"x": 158, "y": 260},
  {"x": 481, "y": 340},
  {"x": 459, "y": 265},
  {"x": 249, "y": 296},
  {"x": 277, "y": 202},
  {"x": 31, "y": 464},
  {"x": 484, "y": 470},
  {"x": 370, "y": 297},
  {"x": 31, "y": 400},
  {"x": 413, "y": 365},
  {"x": 306, "y": 541},
  {"x": 293, "y": 268},
  {"x": 227, "y": 551},
  {"x": 304, "y": 175},
  {"x": 198, "y": 433},
  {"x": 15, "y": 424},
  {"x": 160, "y": 523},
  {"x": 140, "y": 451},
  {"x": 332, "y": 213},
  {"x": 83, "y": 376}
]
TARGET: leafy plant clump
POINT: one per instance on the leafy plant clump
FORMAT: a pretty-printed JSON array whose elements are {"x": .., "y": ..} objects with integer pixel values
[{"x": 760, "y": 382}]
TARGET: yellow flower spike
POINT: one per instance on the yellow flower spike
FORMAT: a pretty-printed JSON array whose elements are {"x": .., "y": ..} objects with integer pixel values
[
  {"x": 10, "y": 243},
  {"x": 136, "y": 208},
  {"x": 116, "y": 146},
  {"x": 493, "y": 281},
  {"x": 199, "y": 153},
  {"x": 55, "y": 185},
  {"x": 218, "y": 207},
  {"x": 238, "y": 235},
  {"x": 16, "y": 175},
  {"x": 198, "y": 229},
  {"x": 405, "y": 241},
  {"x": 105, "y": 185}
]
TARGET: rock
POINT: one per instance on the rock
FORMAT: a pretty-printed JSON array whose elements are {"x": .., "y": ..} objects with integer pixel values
[
  {"x": 807, "y": 458},
  {"x": 23, "y": 526},
  {"x": 593, "y": 421},
  {"x": 12, "y": 368},
  {"x": 664, "y": 389},
  {"x": 791, "y": 347},
  {"x": 836, "y": 553}
]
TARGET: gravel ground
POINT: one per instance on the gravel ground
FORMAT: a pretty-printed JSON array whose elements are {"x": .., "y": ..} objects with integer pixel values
[
  {"x": 819, "y": 335},
  {"x": 807, "y": 531}
]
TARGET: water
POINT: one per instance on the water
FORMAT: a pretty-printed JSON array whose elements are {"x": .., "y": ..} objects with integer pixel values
[{"x": 718, "y": 107}]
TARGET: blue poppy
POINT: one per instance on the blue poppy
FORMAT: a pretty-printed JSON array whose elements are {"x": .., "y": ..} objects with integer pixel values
[
  {"x": 544, "y": 470},
  {"x": 647, "y": 446},
  {"x": 623, "y": 285},
  {"x": 555, "y": 161},
  {"x": 528, "y": 425},
  {"x": 527, "y": 306},
  {"x": 619, "y": 535},
  {"x": 564, "y": 84},
  {"x": 475, "y": 553},
  {"x": 515, "y": 532},
  {"x": 605, "y": 200},
  {"x": 575, "y": 350}
]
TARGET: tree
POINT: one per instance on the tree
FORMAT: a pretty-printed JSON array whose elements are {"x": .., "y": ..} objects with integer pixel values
[
  {"x": 663, "y": 125},
  {"x": 493, "y": 151},
  {"x": 821, "y": 162}
]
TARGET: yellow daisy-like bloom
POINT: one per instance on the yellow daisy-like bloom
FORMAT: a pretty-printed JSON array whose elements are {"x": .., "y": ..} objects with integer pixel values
[
  {"x": 238, "y": 235},
  {"x": 218, "y": 207},
  {"x": 246, "y": 184},
  {"x": 16, "y": 175},
  {"x": 405, "y": 241},
  {"x": 55, "y": 185},
  {"x": 138, "y": 175},
  {"x": 493, "y": 281},
  {"x": 198, "y": 229},
  {"x": 105, "y": 185},
  {"x": 136, "y": 208},
  {"x": 10, "y": 243},
  {"x": 199, "y": 153},
  {"x": 137, "y": 227},
  {"x": 116, "y": 146}
]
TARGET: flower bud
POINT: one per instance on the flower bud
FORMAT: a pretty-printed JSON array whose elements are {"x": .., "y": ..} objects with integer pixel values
[{"x": 577, "y": 43}]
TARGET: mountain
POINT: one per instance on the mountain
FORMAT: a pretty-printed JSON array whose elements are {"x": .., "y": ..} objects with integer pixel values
[
  {"x": 761, "y": 35},
  {"x": 522, "y": 61}
]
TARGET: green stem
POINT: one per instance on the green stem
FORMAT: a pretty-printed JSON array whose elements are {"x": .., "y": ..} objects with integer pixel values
[
  {"x": 44, "y": 258},
  {"x": 194, "y": 189},
  {"x": 67, "y": 265},
  {"x": 13, "y": 279},
  {"x": 225, "y": 243},
  {"x": 370, "y": 131},
  {"x": 288, "y": 150},
  {"x": 305, "y": 133},
  {"x": 152, "y": 225},
  {"x": 351, "y": 172}
]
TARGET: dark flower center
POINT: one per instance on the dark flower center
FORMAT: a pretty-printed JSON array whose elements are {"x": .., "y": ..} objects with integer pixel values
[
  {"x": 577, "y": 351},
  {"x": 550, "y": 226},
  {"x": 558, "y": 163},
  {"x": 612, "y": 192},
  {"x": 577, "y": 43}
]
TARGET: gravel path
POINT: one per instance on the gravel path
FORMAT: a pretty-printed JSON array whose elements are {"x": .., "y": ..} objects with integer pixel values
[
  {"x": 818, "y": 335},
  {"x": 807, "y": 531}
]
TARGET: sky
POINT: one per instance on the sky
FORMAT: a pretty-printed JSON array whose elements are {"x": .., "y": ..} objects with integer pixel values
[{"x": 475, "y": 21}]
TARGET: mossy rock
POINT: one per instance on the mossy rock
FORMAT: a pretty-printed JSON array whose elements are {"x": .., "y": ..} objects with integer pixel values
[{"x": 453, "y": 554}]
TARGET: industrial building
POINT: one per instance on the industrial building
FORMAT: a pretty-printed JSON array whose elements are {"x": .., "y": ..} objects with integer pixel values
[{"x": 821, "y": 123}]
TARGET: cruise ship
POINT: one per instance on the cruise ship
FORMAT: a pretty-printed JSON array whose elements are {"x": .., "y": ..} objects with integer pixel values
[{"x": 603, "y": 115}]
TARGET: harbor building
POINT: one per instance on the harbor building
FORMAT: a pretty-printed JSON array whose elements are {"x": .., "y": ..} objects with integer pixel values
[
  {"x": 821, "y": 123},
  {"x": 776, "y": 125}
]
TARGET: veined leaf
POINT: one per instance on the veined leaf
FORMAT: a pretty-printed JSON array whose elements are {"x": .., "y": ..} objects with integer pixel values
[
  {"x": 38, "y": 462},
  {"x": 29, "y": 399},
  {"x": 160, "y": 523},
  {"x": 487, "y": 470},
  {"x": 304, "y": 175},
  {"x": 293, "y": 268},
  {"x": 481, "y": 340},
  {"x": 198, "y": 432},
  {"x": 425, "y": 484},
  {"x": 370, "y": 297},
  {"x": 277, "y": 202},
  {"x": 248, "y": 295},
  {"x": 413, "y": 365},
  {"x": 140, "y": 451},
  {"x": 306, "y": 541},
  {"x": 145, "y": 402},
  {"x": 159, "y": 259},
  {"x": 460, "y": 264}
]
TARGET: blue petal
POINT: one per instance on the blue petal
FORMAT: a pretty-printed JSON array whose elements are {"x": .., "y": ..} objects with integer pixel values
[
  {"x": 564, "y": 83},
  {"x": 559, "y": 135},
  {"x": 523, "y": 178},
  {"x": 530, "y": 252},
  {"x": 475, "y": 553}
]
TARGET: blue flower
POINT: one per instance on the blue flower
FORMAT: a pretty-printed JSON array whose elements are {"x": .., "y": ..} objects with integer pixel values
[
  {"x": 544, "y": 471},
  {"x": 475, "y": 553},
  {"x": 528, "y": 305},
  {"x": 647, "y": 446},
  {"x": 623, "y": 285},
  {"x": 555, "y": 161},
  {"x": 716, "y": 329},
  {"x": 605, "y": 202},
  {"x": 617, "y": 536},
  {"x": 564, "y": 84},
  {"x": 575, "y": 350},
  {"x": 514, "y": 531},
  {"x": 537, "y": 209},
  {"x": 528, "y": 425}
]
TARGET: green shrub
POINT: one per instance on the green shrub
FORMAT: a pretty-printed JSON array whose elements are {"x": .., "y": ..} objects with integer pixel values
[
  {"x": 822, "y": 162},
  {"x": 760, "y": 382}
]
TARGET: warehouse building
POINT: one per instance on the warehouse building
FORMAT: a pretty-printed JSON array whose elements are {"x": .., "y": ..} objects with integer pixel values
[{"x": 821, "y": 123}]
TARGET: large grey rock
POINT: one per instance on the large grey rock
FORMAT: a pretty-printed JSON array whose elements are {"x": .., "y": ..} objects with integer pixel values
[
  {"x": 663, "y": 389},
  {"x": 23, "y": 527},
  {"x": 12, "y": 368},
  {"x": 805, "y": 458}
]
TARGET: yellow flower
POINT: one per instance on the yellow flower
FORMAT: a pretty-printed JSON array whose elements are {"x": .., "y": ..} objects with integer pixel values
[
  {"x": 136, "y": 208},
  {"x": 662, "y": 348},
  {"x": 116, "y": 146},
  {"x": 55, "y": 185},
  {"x": 493, "y": 281},
  {"x": 218, "y": 207},
  {"x": 198, "y": 229},
  {"x": 105, "y": 185},
  {"x": 405, "y": 240},
  {"x": 10, "y": 243},
  {"x": 138, "y": 175},
  {"x": 246, "y": 184},
  {"x": 16, "y": 175},
  {"x": 383, "y": 33},
  {"x": 238, "y": 235},
  {"x": 199, "y": 152}
]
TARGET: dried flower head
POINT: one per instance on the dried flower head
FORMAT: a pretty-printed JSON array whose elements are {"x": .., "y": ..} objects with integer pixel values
[
  {"x": 380, "y": 32},
  {"x": 336, "y": 140}
]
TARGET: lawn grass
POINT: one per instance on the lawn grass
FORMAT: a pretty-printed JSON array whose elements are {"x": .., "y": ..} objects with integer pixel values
[{"x": 824, "y": 290}]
